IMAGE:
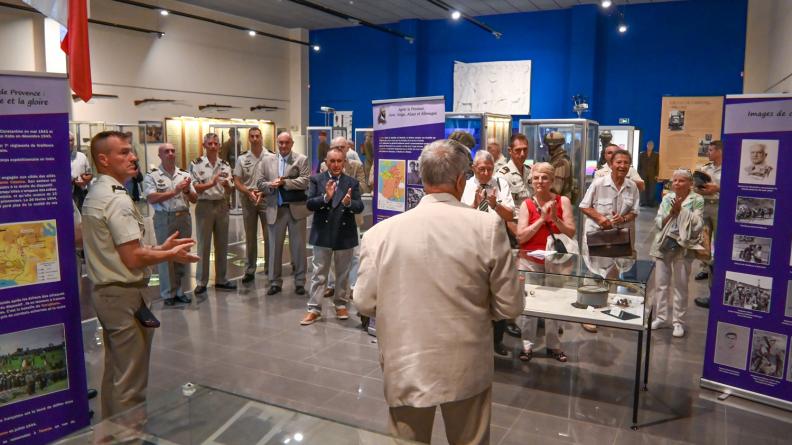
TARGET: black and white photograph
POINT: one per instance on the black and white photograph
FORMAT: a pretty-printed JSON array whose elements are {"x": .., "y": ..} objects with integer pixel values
[
  {"x": 703, "y": 147},
  {"x": 788, "y": 308},
  {"x": 731, "y": 346},
  {"x": 751, "y": 249},
  {"x": 32, "y": 364},
  {"x": 758, "y": 161},
  {"x": 768, "y": 353},
  {"x": 748, "y": 291},
  {"x": 676, "y": 120},
  {"x": 414, "y": 173},
  {"x": 414, "y": 196},
  {"x": 751, "y": 210}
]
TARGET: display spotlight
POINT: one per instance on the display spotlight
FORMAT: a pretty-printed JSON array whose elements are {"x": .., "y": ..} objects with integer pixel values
[
  {"x": 252, "y": 33},
  {"x": 456, "y": 15},
  {"x": 164, "y": 12},
  {"x": 316, "y": 48},
  {"x": 622, "y": 28},
  {"x": 606, "y": 4}
]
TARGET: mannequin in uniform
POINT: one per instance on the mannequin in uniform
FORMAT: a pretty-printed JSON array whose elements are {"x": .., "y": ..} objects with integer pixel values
[
  {"x": 649, "y": 168},
  {"x": 605, "y": 138},
  {"x": 563, "y": 184}
]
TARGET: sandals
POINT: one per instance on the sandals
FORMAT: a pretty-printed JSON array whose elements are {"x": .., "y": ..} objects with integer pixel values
[
  {"x": 526, "y": 356},
  {"x": 558, "y": 355}
]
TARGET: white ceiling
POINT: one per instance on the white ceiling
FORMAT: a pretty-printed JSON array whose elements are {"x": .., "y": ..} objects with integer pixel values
[{"x": 291, "y": 15}]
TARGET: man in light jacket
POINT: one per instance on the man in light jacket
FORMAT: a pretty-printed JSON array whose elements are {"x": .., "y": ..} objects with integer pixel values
[{"x": 434, "y": 298}]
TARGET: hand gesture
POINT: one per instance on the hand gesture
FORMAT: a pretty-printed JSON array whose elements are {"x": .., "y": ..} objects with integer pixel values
[
  {"x": 179, "y": 248},
  {"x": 605, "y": 223},
  {"x": 549, "y": 210},
  {"x": 676, "y": 206},
  {"x": 480, "y": 196},
  {"x": 253, "y": 195},
  {"x": 181, "y": 185},
  {"x": 330, "y": 189},
  {"x": 347, "y": 199},
  {"x": 258, "y": 196},
  {"x": 278, "y": 183},
  {"x": 491, "y": 198},
  {"x": 617, "y": 219}
]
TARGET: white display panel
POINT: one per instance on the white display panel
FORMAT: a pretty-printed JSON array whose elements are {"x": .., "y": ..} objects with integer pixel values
[{"x": 495, "y": 87}]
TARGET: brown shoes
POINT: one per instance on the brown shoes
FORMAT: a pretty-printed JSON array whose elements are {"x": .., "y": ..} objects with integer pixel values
[
  {"x": 342, "y": 313},
  {"x": 310, "y": 318}
]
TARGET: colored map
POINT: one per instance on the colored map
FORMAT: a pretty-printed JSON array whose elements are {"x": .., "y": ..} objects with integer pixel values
[
  {"x": 28, "y": 253},
  {"x": 391, "y": 192}
]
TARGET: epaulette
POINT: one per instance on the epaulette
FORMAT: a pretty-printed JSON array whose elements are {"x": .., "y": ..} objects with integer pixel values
[
  {"x": 182, "y": 170},
  {"x": 118, "y": 188},
  {"x": 153, "y": 169},
  {"x": 197, "y": 160}
]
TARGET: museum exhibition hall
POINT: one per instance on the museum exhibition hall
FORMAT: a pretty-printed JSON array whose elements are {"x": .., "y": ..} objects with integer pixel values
[{"x": 395, "y": 221}]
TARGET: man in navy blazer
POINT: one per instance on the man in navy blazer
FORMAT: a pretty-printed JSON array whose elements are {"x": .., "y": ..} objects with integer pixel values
[{"x": 335, "y": 199}]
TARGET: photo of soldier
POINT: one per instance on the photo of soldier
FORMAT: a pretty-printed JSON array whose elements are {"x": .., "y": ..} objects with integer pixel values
[
  {"x": 768, "y": 353},
  {"x": 748, "y": 291},
  {"x": 751, "y": 249},
  {"x": 32, "y": 364},
  {"x": 755, "y": 211}
]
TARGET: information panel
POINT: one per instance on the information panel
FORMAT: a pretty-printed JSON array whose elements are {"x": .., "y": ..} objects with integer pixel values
[
  {"x": 687, "y": 125},
  {"x": 43, "y": 393},
  {"x": 402, "y": 128},
  {"x": 750, "y": 322}
]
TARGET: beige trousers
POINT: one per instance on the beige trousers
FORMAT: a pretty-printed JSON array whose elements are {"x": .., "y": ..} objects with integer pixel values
[{"x": 466, "y": 421}]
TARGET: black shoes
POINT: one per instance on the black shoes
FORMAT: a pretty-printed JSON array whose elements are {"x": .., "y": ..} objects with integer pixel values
[
  {"x": 182, "y": 299},
  {"x": 702, "y": 302},
  {"x": 513, "y": 330},
  {"x": 299, "y": 290},
  {"x": 228, "y": 285},
  {"x": 702, "y": 276},
  {"x": 169, "y": 301},
  {"x": 273, "y": 290},
  {"x": 248, "y": 278},
  {"x": 500, "y": 349},
  {"x": 199, "y": 289}
]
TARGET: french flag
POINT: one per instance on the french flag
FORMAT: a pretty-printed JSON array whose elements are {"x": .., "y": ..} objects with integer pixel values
[{"x": 72, "y": 15}]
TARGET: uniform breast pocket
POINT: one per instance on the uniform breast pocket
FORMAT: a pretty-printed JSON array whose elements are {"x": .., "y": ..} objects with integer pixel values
[
  {"x": 629, "y": 203},
  {"x": 604, "y": 208}
]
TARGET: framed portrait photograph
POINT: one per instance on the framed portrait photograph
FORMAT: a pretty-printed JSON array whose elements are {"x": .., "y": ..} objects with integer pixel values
[
  {"x": 151, "y": 132},
  {"x": 768, "y": 353},
  {"x": 751, "y": 249},
  {"x": 759, "y": 161},
  {"x": 731, "y": 346}
]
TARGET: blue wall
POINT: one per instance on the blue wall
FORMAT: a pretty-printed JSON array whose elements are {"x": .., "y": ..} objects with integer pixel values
[{"x": 694, "y": 47}]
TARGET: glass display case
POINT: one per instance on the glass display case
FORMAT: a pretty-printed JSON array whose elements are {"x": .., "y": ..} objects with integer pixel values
[
  {"x": 626, "y": 137},
  {"x": 318, "y": 142},
  {"x": 364, "y": 145},
  {"x": 233, "y": 142},
  {"x": 482, "y": 126},
  {"x": 194, "y": 414},
  {"x": 607, "y": 292}
]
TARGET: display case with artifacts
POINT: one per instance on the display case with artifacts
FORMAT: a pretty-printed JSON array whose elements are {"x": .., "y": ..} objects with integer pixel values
[
  {"x": 606, "y": 292},
  {"x": 626, "y": 137},
  {"x": 364, "y": 144},
  {"x": 233, "y": 138},
  {"x": 318, "y": 142},
  {"x": 482, "y": 126}
]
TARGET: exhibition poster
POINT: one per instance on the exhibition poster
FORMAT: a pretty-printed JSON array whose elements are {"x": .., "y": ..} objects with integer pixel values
[
  {"x": 750, "y": 321},
  {"x": 687, "y": 126},
  {"x": 43, "y": 393},
  {"x": 402, "y": 128}
]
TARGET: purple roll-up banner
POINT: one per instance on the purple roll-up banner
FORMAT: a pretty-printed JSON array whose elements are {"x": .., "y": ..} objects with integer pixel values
[
  {"x": 43, "y": 393},
  {"x": 402, "y": 128},
  {"x": 749, "y": 335}
]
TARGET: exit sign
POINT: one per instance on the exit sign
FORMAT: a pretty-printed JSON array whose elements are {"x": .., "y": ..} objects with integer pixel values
[{"x": 624, "y": 121}]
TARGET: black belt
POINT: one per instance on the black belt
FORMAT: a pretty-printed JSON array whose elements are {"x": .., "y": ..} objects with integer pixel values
[
  {"x": 173, "y": 212},
  {"x": 136, "y": 285}
]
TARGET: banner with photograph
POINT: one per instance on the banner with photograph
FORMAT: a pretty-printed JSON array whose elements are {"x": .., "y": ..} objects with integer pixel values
[
  {"x": 402, "y": 128},
  {"x": 43, "y": 393},
  {"x": 750, "y": 322},
  {"x": 687, "y": 125}
]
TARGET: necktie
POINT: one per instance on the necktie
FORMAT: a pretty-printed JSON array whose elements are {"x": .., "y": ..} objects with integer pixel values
[
  {"x": 483, "y": 205},
  {"x": 281, "y": 169}
]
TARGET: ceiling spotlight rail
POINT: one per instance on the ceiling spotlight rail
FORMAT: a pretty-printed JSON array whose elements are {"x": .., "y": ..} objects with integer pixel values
[
  {"x": 355, "y": 20},
  {"x": 456, "y": 15}
]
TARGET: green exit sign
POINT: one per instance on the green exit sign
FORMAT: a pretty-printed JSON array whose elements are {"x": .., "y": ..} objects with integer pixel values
[{"x": 624, "y": 121}]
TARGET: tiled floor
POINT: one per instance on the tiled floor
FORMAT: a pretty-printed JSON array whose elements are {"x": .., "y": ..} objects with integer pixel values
[{"x": 252, "y": 344}]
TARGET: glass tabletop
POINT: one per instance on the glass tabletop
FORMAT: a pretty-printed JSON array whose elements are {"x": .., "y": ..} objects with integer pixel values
[
  {"x": 202, "y": 415},
  {"x": 625, "y": 270}
]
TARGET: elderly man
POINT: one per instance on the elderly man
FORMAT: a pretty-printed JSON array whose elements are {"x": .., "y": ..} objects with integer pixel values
[
  {"x": 490, "y": 194},
  {"x": 118, "y": 264},
  {"x": 350, "y": 152},
  {"x": 434, "y": 330},
  {"x": 759, "y": 171},
  {"x": 169, "y": 190},
  {"x": 283, "y": 180},
  {"x": 253, "y": 210},
  {"x": 494, "y": 148},
  {"x": 335, "y": 200},
  {"x": 606, "y": 169},
  {"x": 212, "y": 178},
  {"x": 711, "y": 193},
  {"x": 80, "y": 172}
]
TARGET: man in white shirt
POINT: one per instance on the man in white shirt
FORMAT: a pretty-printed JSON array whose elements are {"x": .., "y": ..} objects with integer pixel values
[
  {"x": 605, "y": 170},
  {"x": 350, "y": 152},
  {"x": 80, "y": 172}
]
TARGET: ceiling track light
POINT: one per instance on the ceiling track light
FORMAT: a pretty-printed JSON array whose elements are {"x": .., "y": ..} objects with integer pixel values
[
  {"x": 456, "y": 15},
  {"x": 164, "y": 12},
  {"x": 344, "y": 16},
  {"x": 622, "y": 24},
  {"x": 252, "y": 33},
  {"x": 606, "y": 4}
]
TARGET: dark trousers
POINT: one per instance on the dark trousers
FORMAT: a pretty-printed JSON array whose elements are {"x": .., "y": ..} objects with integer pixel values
[
  {"x": 499, "y": 328},
  {"x": 648, "y": 195}
]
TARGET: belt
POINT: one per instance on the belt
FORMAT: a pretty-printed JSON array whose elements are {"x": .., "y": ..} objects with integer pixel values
[
  {"x": 173, "y": 212},
  {"x": 285, "y": 204},
  {"x": 136, "y": 285}
]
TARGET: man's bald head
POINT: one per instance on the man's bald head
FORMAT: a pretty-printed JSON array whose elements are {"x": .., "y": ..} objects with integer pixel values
[{"x": 285, "y": 143}]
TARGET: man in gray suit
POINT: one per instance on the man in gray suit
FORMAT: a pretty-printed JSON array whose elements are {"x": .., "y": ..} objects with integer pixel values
[
  {"x": 434, "y": 299},
  {"x": 283, "y": 180}
]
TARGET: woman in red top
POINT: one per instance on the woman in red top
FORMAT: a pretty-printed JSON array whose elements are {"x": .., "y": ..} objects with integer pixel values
[{"x": 539, "y": 215}]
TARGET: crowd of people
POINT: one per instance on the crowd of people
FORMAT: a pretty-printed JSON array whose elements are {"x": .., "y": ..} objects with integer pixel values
[{"x": 28, "y": 373}]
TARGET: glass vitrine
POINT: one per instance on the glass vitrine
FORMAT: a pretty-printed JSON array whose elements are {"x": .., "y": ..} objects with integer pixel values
[{"x": 481, "y": 126}]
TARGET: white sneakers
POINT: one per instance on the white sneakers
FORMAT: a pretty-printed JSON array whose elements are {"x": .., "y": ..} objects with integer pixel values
[
  {"x": 679, "y": 330},
  {"x": 659, "y": 324}
]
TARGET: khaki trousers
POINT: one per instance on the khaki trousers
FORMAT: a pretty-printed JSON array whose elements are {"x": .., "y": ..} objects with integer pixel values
[
  {"x": 466, "y": 421},
  {"x": 127, "y": 347},
  {"x": 252, "y": 217},
  {"x": 211, "y": 217}
]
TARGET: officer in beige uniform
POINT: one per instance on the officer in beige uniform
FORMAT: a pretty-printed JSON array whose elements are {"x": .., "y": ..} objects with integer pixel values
[
  {"x": 117, "y": 263},
  {"x": 212, "y": 179},
  {"x": 253, "y": 205},
  {"x": 169, "y": 190}
]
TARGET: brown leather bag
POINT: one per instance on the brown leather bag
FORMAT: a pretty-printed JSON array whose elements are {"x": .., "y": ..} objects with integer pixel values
[{"x": 611, "y": 243}]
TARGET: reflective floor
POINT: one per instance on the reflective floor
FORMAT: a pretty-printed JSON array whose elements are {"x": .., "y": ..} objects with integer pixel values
[{"x": 252, "y": 344}]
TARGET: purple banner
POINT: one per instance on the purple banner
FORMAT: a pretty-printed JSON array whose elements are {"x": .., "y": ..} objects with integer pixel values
[
  {"x": 402, "y": 128},
  {"x": 42, "y": 367},
  {"x": 750, "y": 322}
]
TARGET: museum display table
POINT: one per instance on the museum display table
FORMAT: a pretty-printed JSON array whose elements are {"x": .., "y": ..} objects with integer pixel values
[
  {"x": 195, "y": 414},
  {"x": 564, "y": 286}
]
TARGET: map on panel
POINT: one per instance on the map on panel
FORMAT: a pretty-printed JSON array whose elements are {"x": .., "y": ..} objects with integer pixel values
[
  {"x": 28, "y": 253},
  {"x": 390, "y": 188}
]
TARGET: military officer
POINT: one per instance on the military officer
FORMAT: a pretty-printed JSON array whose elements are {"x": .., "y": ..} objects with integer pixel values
[
  {"x": 253, "y": 205},
  {"x": 212, "y": 178},
  {"x": 711, "y": 193},
  {"x": 169, "y": 190},
  {"x": 564, "y": 182},
  {"x": 117, "y": 263}
]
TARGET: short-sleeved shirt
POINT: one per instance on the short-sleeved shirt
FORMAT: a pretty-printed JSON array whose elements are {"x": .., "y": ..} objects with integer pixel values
[
  {"x": 605, "y": 170},
  {"x": 202, "y": 172},
  {"x": 519, "y": 185},
  {"x": 246, "y": 164},
  {"x": 109, "y": 219},
  {"x": 79, "y": 164},
  {"x": 714, "y": 171},
  {"x": 158, "y": 180},
  {"x": 500, "y": 162},
  {"x": 504, "y": 195},
  {"x": 603, "y": 196}
]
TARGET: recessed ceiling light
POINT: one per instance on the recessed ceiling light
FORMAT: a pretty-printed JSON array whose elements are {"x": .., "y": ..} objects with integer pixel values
[
  {"x": 252, "y": 33},
  {"x": 456, "y": 15},
  {"x": 316, "y": 48},
  {"x": 606, "y": 3},
  {"x": 622, "y": 28},
  {"x": 163, "y": 12}
]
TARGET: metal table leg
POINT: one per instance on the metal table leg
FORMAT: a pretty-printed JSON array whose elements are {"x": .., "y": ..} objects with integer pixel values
[
  {"x": 636, "y": 386},
  {"x": 648, "y": 349}
]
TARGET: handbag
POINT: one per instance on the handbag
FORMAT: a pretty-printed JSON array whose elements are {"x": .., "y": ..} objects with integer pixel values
[{"x": 611, "y": 243}]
